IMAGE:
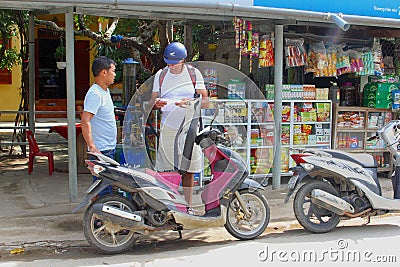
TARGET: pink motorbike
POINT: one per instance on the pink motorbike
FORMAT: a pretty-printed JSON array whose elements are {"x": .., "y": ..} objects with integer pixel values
[{"x": 144, "y": 200}]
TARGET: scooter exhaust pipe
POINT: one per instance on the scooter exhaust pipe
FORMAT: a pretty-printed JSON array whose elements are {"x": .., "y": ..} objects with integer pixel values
[
  {"x": 331, "y": 202},
  {"x": 124, "y": 218}
]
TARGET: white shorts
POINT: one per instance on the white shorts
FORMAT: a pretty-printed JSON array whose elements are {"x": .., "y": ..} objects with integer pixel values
[{"x": 165, "y": 152}]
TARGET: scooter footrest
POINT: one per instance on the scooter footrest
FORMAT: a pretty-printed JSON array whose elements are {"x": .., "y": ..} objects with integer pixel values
[{"x": 194, "y": 222}]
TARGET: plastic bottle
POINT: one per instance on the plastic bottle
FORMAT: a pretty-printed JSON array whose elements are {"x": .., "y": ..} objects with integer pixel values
[
  {"x": 334, "y": 93},
  {"x": 348, "y": 140},
  {"x": 348, "y": 94}
]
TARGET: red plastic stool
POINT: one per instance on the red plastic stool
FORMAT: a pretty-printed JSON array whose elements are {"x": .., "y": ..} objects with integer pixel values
[{"x": 35, "y": 151}]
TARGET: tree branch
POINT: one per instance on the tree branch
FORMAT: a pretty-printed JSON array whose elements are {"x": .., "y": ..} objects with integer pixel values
[
  {"x": 112, "y": 27},
  {"x": 139, "y": 43}
]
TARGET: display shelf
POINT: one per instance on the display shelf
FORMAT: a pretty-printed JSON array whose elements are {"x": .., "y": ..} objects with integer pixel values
[
  {"x": 354, "y": 125},
  {"x": 304, "y": 124},
  {"x": 249, "y": 128}
]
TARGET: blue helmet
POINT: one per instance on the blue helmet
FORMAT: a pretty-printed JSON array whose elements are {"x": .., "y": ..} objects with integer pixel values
[{"x": 174, "y": 53}]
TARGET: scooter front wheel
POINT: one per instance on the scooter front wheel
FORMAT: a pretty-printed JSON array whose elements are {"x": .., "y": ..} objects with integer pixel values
[
  {"x": 244, "y": 227},
  {"x": 312, "y": 217},
  {"x": 105, "y": 236}
]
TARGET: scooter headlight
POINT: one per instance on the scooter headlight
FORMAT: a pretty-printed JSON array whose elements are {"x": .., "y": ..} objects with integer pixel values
[{"x": 307, "y": 166}]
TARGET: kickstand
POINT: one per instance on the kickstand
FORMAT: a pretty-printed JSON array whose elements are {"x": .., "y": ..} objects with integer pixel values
[
  {"x": 368, "y": 220},
  {"x": 180, "y": 234}
]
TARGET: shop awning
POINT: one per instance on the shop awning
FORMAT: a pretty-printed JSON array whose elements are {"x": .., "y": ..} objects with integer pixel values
[{"x": 179, "y": 9}]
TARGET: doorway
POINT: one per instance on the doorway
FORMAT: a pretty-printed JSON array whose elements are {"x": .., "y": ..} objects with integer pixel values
[{"x": 51, "y": 81}]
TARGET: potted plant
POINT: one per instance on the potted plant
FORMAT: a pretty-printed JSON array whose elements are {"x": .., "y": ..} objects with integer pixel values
[{"x": 59, "y": 55}]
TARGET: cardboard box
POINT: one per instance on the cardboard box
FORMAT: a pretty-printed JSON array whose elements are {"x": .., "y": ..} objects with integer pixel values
[
  {"x": 312, "y": 139},
  {"x": 319, "y": 131},
  {"x": 377, "y": 95},
  {"x": 379, "y": 104},
  {"x": 381, "y": 88},
  {"x": 327, "y": 131}
]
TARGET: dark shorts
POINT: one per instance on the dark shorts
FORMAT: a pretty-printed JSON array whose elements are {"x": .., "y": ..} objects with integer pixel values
[{"x": 111, "y": 154}]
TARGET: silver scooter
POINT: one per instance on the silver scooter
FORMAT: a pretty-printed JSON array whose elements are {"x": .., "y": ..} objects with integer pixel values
[{"x": 343, "y": 185}]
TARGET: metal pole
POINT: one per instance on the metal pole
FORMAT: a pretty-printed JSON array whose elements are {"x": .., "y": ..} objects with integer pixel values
[
  {"x": 31, "y": 72},
  {"x": 188, "y": 40},
  {"x": 276, "y": 174},
  {"x": 72, "y": 161}
]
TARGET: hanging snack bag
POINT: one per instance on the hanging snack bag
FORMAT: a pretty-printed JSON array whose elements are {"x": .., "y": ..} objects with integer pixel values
[
  {"x": 378, "y": 60},
  {"x": 356, "y": 63},
  {"x": 319, "y": 61},
  {"x": 266, "y": 56},
  {"x": 343, "y": 63},
  {"x": 236, "y": 23},
  {"x": 255, "y": 44},
  {"x": 368, "y": 64},
  {"x": 295, "y": 53},
  {"x": 249, "y": 28},
  {"x": 311, "y": 61},
  {"x": 330, "y": 70}
]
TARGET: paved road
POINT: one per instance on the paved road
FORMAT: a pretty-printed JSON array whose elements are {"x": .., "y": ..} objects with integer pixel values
[{"x": 353, "y": 244}]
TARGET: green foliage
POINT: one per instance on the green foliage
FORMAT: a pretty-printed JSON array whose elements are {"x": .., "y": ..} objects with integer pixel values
[
  {"x": 89, "y": 20},
  {"x": 128, "y": 27},
  {"x": 9, "y": 56},
  {"x": 60, "y": 52},
  {"x": 9, "y": 59}
]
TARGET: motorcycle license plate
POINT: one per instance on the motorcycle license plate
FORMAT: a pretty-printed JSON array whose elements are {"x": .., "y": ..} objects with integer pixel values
[
  {"x": 292, "y": 182},
  {"x": 93, "y": 186}
]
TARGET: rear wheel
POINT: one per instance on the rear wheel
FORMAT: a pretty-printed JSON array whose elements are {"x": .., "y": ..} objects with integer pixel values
[
  {"x": 247, "y": 227},
  {"x": 104, "y": 235},
  {"x": 312, "y": 217}
]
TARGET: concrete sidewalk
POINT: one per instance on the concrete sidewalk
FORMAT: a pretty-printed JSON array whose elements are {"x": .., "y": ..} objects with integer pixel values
[{"x": 35, "y": 209}]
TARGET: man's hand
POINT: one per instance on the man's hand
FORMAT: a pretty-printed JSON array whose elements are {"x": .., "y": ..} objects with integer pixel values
[
  {"x": 94, "y": 149},
  {"x": 183, "y": 102},
  {"x": 159, "y": 103}
]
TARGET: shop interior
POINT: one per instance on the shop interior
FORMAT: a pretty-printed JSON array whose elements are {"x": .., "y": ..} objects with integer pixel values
[{"x": 354, "y": 73}]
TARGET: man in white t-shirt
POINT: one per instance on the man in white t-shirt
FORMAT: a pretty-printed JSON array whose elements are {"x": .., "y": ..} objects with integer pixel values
[
  {"x": 98, "y": 119},
  {"x": 179, "y": 82}
]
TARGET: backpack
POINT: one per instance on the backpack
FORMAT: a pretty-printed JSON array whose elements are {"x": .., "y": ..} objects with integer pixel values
[{"x": 191, "y": 70}]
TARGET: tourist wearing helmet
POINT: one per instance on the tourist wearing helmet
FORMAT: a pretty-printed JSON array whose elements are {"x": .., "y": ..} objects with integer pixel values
[{"x": 172, "y": 86}]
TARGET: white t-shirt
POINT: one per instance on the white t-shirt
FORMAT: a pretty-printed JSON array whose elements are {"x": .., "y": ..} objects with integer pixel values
[
  {"x": 104, "y": 128},
  {"x": 173, "y": 89}
]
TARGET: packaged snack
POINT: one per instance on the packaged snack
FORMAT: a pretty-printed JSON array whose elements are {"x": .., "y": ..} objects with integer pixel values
[
  {"x": 266, "y": 53},
  {"x": 368, "y": 63},
  {"x": 356, "y": 63},
  {"x": 317, "y": 59},
  {"x": 237, "y": 25},
  {"x": 388, "y": 63},
  {"x": 377, "y": 54},
  {"x": 330, "y": 70},
  {"x": 295, "y": 53},
  {"x": 306, "y": 128},
  {"x": 343, "y": 63}
]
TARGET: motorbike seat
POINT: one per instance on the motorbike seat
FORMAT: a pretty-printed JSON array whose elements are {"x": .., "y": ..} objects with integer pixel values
[{"x": 365, "y": 160}]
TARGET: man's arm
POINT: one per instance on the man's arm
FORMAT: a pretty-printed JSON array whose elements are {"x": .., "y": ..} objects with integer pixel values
[
  {"x": 204, "y": 97},
  {"x": 87, "y": 131},
  {"x": 201, "y": 89},
  {"x": 155, "y": 102}
]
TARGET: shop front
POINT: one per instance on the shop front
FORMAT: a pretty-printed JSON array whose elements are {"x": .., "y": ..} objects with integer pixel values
[{"x": 291, "y": 51}]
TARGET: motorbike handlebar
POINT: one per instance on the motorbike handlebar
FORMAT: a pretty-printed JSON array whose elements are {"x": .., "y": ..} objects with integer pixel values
[{"x": 372, "y": 137}]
